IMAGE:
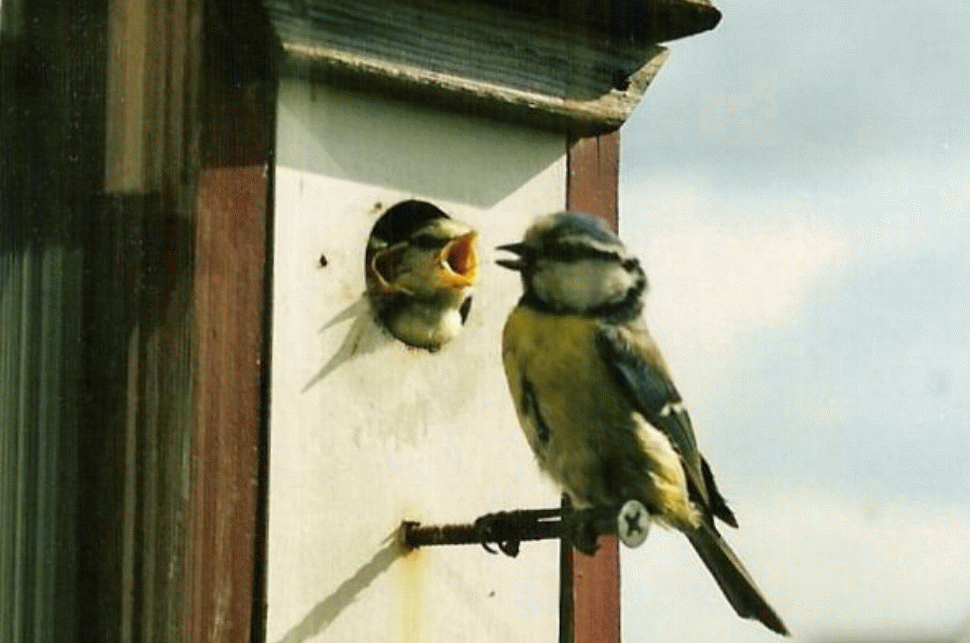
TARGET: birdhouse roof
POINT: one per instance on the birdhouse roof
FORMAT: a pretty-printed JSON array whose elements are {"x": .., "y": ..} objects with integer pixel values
[{"x": 573, "y": 65}]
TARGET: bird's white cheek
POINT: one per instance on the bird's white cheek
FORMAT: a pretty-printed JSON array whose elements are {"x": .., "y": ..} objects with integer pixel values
[
  {"x": 616, "y": 284},
  {"x": 582, "y": 284}
]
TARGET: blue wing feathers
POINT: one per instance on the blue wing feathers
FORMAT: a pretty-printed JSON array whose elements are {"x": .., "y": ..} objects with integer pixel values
[{"x": 638, "y": 370}]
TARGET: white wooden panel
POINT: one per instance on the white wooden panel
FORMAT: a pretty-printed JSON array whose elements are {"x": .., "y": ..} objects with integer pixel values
[{"x": 396, "y": 433}]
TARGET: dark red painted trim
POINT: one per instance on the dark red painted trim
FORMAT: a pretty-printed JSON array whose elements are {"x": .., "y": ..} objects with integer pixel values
[{"x": 225, "y": 544}]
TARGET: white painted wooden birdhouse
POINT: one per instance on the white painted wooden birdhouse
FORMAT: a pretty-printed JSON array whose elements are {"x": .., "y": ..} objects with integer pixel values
[{"x": 494, "y": 113}]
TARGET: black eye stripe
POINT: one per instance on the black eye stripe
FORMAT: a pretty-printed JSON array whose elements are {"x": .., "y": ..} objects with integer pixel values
[{"x": 575, "y": 252}]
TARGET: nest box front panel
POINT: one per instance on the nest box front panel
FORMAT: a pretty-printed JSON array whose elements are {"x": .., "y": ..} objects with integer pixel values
[{"x": 372, "y": 425}]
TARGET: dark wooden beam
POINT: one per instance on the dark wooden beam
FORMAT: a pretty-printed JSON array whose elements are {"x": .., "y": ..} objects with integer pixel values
[{"x": 225, "y": 546}]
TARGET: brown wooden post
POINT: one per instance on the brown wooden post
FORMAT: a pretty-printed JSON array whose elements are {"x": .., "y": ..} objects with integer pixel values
[
  {"x": 593, "y": 176},
  {"x": 225, "y": 540},
  {"x": 590, "y": 585}
]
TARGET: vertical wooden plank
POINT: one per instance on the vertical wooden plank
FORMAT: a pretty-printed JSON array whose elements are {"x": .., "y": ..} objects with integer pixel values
[
  {"x": 225, "y": 539},
  {"x": 593, "y": 179},
  {"x": 230, "y": 256},
  {"x": 108, "y": 251},
  {"x": 50, "y": 90},
  {"x": 139, "y": 265},
  {"x": 97, "y": 253},
  {"x": 592, "y": 186}
]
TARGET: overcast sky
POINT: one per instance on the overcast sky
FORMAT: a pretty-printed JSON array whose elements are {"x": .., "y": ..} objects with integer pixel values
[{"x": 798, "y": 184}]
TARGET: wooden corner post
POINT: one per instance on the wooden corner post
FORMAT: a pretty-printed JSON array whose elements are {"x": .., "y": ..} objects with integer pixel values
[
  {"x": 590, "y": 585},
  {"x": 225, "y": 537}
]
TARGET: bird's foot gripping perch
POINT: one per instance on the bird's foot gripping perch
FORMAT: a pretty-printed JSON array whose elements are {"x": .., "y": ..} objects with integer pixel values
[
  {"x": 630, "y": 522},
  {"x": 506, "y": 530}
]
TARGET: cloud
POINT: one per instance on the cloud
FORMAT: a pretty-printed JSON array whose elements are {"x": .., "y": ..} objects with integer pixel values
[
  {"x": 716, "y": 277},
  {"x": 829, "y": 564},
  {"x": 870, "y": 390},
  {"x": 823, "y": 349},
  {"x": 781, "y": 88},
  {"x": 724, "y": 265},
  {"x": 796, "y": 182}
]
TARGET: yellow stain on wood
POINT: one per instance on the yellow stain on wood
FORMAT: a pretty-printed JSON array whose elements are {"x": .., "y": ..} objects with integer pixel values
[{"x": 410, "y": 580}]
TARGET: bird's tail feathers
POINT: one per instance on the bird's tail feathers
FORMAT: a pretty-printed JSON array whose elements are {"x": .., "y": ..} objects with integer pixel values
[{"x": 733, "y": 578}]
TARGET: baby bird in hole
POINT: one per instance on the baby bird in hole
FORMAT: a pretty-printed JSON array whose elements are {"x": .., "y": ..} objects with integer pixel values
[{"x": 421, "y": 267}]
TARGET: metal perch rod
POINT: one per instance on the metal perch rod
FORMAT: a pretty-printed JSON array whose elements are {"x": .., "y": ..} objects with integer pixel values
[
  {"x": 509, "y": 528},
  {"x": 521, "y": 525}
]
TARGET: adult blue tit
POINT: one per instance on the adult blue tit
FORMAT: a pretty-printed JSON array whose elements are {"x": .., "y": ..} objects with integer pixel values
[
  {"x": 595, "y": 398},
  {"x": 421, "y": 267}
]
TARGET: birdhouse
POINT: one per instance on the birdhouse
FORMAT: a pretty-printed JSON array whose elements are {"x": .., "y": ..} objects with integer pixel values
[
  {"x": 225, "y": 396},
  {"x": 489, "y": 114}
]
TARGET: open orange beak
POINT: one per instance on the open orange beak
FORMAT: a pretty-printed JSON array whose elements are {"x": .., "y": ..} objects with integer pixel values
[{"x": 459, "y": 261}]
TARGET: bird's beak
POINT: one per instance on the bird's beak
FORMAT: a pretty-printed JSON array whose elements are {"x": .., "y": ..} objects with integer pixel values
[
  {"x": 379, "y": 265},
  {"x": 517, "y": 264},
  {"x": 459, "y": 261}
]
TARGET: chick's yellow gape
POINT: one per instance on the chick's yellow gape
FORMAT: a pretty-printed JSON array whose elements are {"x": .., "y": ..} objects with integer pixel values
[{"x": 596, "y": 401}]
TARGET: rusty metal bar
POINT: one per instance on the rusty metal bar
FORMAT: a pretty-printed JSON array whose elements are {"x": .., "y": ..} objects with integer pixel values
[
  {"x": 499, "y": 528},
  {"x": 508, "y": 529}
]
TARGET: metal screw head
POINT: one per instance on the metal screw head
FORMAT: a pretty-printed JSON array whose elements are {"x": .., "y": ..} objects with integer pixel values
[{"x": 633, "y": 523}]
